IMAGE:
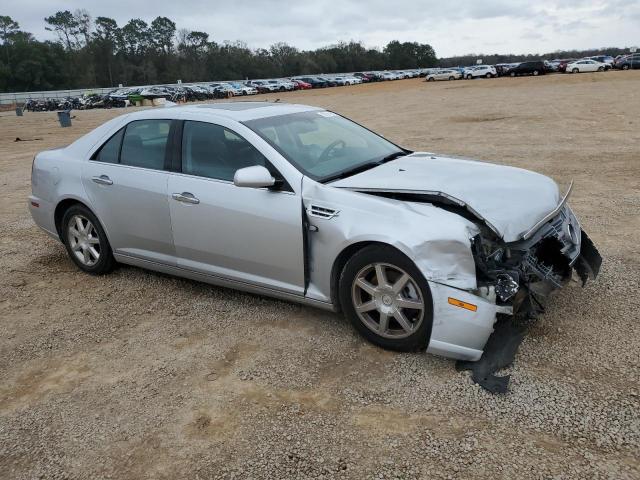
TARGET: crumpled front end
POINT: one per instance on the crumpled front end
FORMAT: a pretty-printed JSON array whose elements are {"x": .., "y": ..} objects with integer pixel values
[{"x": 524, "y": 272}]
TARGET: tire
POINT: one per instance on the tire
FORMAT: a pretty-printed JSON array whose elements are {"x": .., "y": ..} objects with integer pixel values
[
  {"x": 244, "y": 93},
  {"x": 536, "y": 73},
  {"x": 79, "y": 247},
  {"x": 488, "y": 75},
  {"x": 513, "y": 74},
  {"x": 362, "y": 269},
  {"x": 469, "y": 77},
  {"x": 431, "y": 79},
  {"x": 601, "y": 69},
  {"x": 575, "y": 70},
  {"x": 451, "y": 78},
  {"x": 625, "y": 67}
]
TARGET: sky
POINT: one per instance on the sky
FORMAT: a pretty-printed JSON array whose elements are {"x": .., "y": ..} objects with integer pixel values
[{"x": 451, "y": 27}]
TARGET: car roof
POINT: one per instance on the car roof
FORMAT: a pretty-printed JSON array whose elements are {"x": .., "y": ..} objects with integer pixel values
[{"x": 238, "y": 111}]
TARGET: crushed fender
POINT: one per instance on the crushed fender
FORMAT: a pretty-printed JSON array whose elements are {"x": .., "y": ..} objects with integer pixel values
[{"x": 499, "y": 353}]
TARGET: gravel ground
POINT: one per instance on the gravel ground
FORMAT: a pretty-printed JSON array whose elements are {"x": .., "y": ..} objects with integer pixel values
[{"x": 140, "y": 375}]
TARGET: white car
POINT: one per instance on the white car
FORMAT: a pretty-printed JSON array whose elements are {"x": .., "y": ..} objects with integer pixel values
[
  {"x": 487, "y": 71},
  {"x": 352, "y": 80},
  {"x": 244, "y": 90},
  {"x": 586, "y": 65},
  {"x": 443, "y": 75}
]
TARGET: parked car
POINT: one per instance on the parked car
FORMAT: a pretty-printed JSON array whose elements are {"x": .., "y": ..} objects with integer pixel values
[
  {"x": 582, "y": 66},
  {"x": 283, "y": 85},
  {"x": 443, "y": 75},
  {"x": 315, "y": 82},
  {"x": 608, "y": 59},
  {"x": 562, "y": 65},
  {"x": 487, "y": 71},
  {"x": 302, "y": 204},
  {"x": 264, "y": 86},
  {"x": 528, "y": 68},
  {"x": 628, "y": 62},
  {"x": 365, "y": 77},
  {"x": 243, "y": 89},
  {"x": 301, "y": 85}
]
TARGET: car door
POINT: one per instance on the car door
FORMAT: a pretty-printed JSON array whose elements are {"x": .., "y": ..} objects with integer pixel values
[
  {"x": 249, "y": 235},
  {"x": 126, "y": 182}
]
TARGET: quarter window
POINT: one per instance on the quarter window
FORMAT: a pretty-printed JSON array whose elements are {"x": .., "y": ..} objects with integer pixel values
[
  {"x": 110, "y": 151},
  {"x": 144, "y": 143},
  {"x": 212, "y": 151}
]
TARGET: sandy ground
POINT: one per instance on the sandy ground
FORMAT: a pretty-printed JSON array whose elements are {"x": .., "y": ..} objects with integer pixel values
[{"x": 139, "y": 375}]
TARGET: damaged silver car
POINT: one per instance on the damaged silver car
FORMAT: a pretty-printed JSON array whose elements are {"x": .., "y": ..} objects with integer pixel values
[{"x": 296, "y": 202}]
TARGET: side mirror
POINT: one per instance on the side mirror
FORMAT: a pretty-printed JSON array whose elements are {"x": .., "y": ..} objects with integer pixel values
[{"x": 253, "y": 177}]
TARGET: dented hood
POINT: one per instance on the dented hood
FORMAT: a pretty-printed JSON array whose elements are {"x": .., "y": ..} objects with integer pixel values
[{"x": 510, "y": 200}]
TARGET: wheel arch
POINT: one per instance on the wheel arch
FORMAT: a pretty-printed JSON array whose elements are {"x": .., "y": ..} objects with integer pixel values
[
  {"x": 343, "y": 257},
  {"x": 64, "y": 205}
]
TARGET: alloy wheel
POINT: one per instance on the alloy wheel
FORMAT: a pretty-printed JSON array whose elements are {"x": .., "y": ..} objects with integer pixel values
[
  {"x": 387, "y": 300},
  {"x": 83, "y": 240}
]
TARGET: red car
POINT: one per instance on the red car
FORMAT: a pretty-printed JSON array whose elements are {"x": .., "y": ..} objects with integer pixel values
[{"x": 300, "y": 85}]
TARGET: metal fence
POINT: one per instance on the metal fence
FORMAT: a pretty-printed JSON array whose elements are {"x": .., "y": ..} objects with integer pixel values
[{"x": 19, "y": 98}]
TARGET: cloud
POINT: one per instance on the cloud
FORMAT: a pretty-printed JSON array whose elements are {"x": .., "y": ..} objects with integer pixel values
[{"x": 518, "y": 26}]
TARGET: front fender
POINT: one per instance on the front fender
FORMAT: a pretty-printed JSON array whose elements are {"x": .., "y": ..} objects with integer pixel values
[{"x": 437, "y": 241}]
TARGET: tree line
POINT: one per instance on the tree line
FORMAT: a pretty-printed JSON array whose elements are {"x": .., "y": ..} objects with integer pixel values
[{"x": 97, "y": 52}]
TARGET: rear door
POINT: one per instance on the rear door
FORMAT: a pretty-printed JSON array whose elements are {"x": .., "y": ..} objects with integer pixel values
[
  {"x": 126, "y": 182},
  {"x": 248, "y": 235}
]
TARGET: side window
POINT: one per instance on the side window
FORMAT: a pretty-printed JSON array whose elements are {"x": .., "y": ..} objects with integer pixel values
[
  {"x": 144, "y": 143},
  {"x": 212, "y": 151},
  {"x": 109, "y": 152}
]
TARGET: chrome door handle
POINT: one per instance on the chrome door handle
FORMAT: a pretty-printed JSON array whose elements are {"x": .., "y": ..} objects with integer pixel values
[
  {"x": 102, "y": 180},
  {"x": 185, "y": 197}
]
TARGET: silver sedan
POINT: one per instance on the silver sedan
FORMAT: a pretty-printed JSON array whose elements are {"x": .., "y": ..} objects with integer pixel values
[{"x": 419, "y": 251}]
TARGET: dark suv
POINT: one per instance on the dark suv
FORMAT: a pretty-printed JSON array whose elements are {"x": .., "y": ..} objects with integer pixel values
[
  {"x": 627, "y": 62},
  {"x": 528, "y": 68}
]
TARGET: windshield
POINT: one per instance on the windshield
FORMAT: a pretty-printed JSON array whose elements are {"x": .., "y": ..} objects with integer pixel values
[{"x": 323, "y": 145}]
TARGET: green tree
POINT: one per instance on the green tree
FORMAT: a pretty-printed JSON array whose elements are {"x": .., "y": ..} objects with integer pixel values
[{"x": 66, "y": 27}]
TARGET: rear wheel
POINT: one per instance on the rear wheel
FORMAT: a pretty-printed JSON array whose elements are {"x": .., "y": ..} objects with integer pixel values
[
  {"x": 431, "y": 79},
  {"x": 469, "y": 77},
  {"x": 488, "y": 75},
  {"x": 451, "y": 78},
  {"x": 513, "y": 74},
  {"x": 625, "y": 67},
  {"x": 85, "y": 241},
  {"x": 387, "y": 299},
  {"x": 536, "y": 73}
]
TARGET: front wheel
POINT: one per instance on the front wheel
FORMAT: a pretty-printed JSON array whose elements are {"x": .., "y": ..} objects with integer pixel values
[
  {"x": 625, "y": 67},
  {"x": 600, "y": 69},
  {"x": 575, "y": 70},
  {"x": 513, "y": 74},
  {"x": 536, "y": 73},
  {"x": 469, "y": 77},
  {"x": 488, "y": 75},
  {"x": 86, "y": 241},
  {"x": 387, "y": 299},
  {"x": 451, "y": 78}
]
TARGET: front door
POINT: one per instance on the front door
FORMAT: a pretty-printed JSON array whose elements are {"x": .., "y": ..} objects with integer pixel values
[{"x": 250, "y": 235}]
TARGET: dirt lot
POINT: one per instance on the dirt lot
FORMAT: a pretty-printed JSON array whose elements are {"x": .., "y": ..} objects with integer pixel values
[{"x": 139, "y": 375}]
